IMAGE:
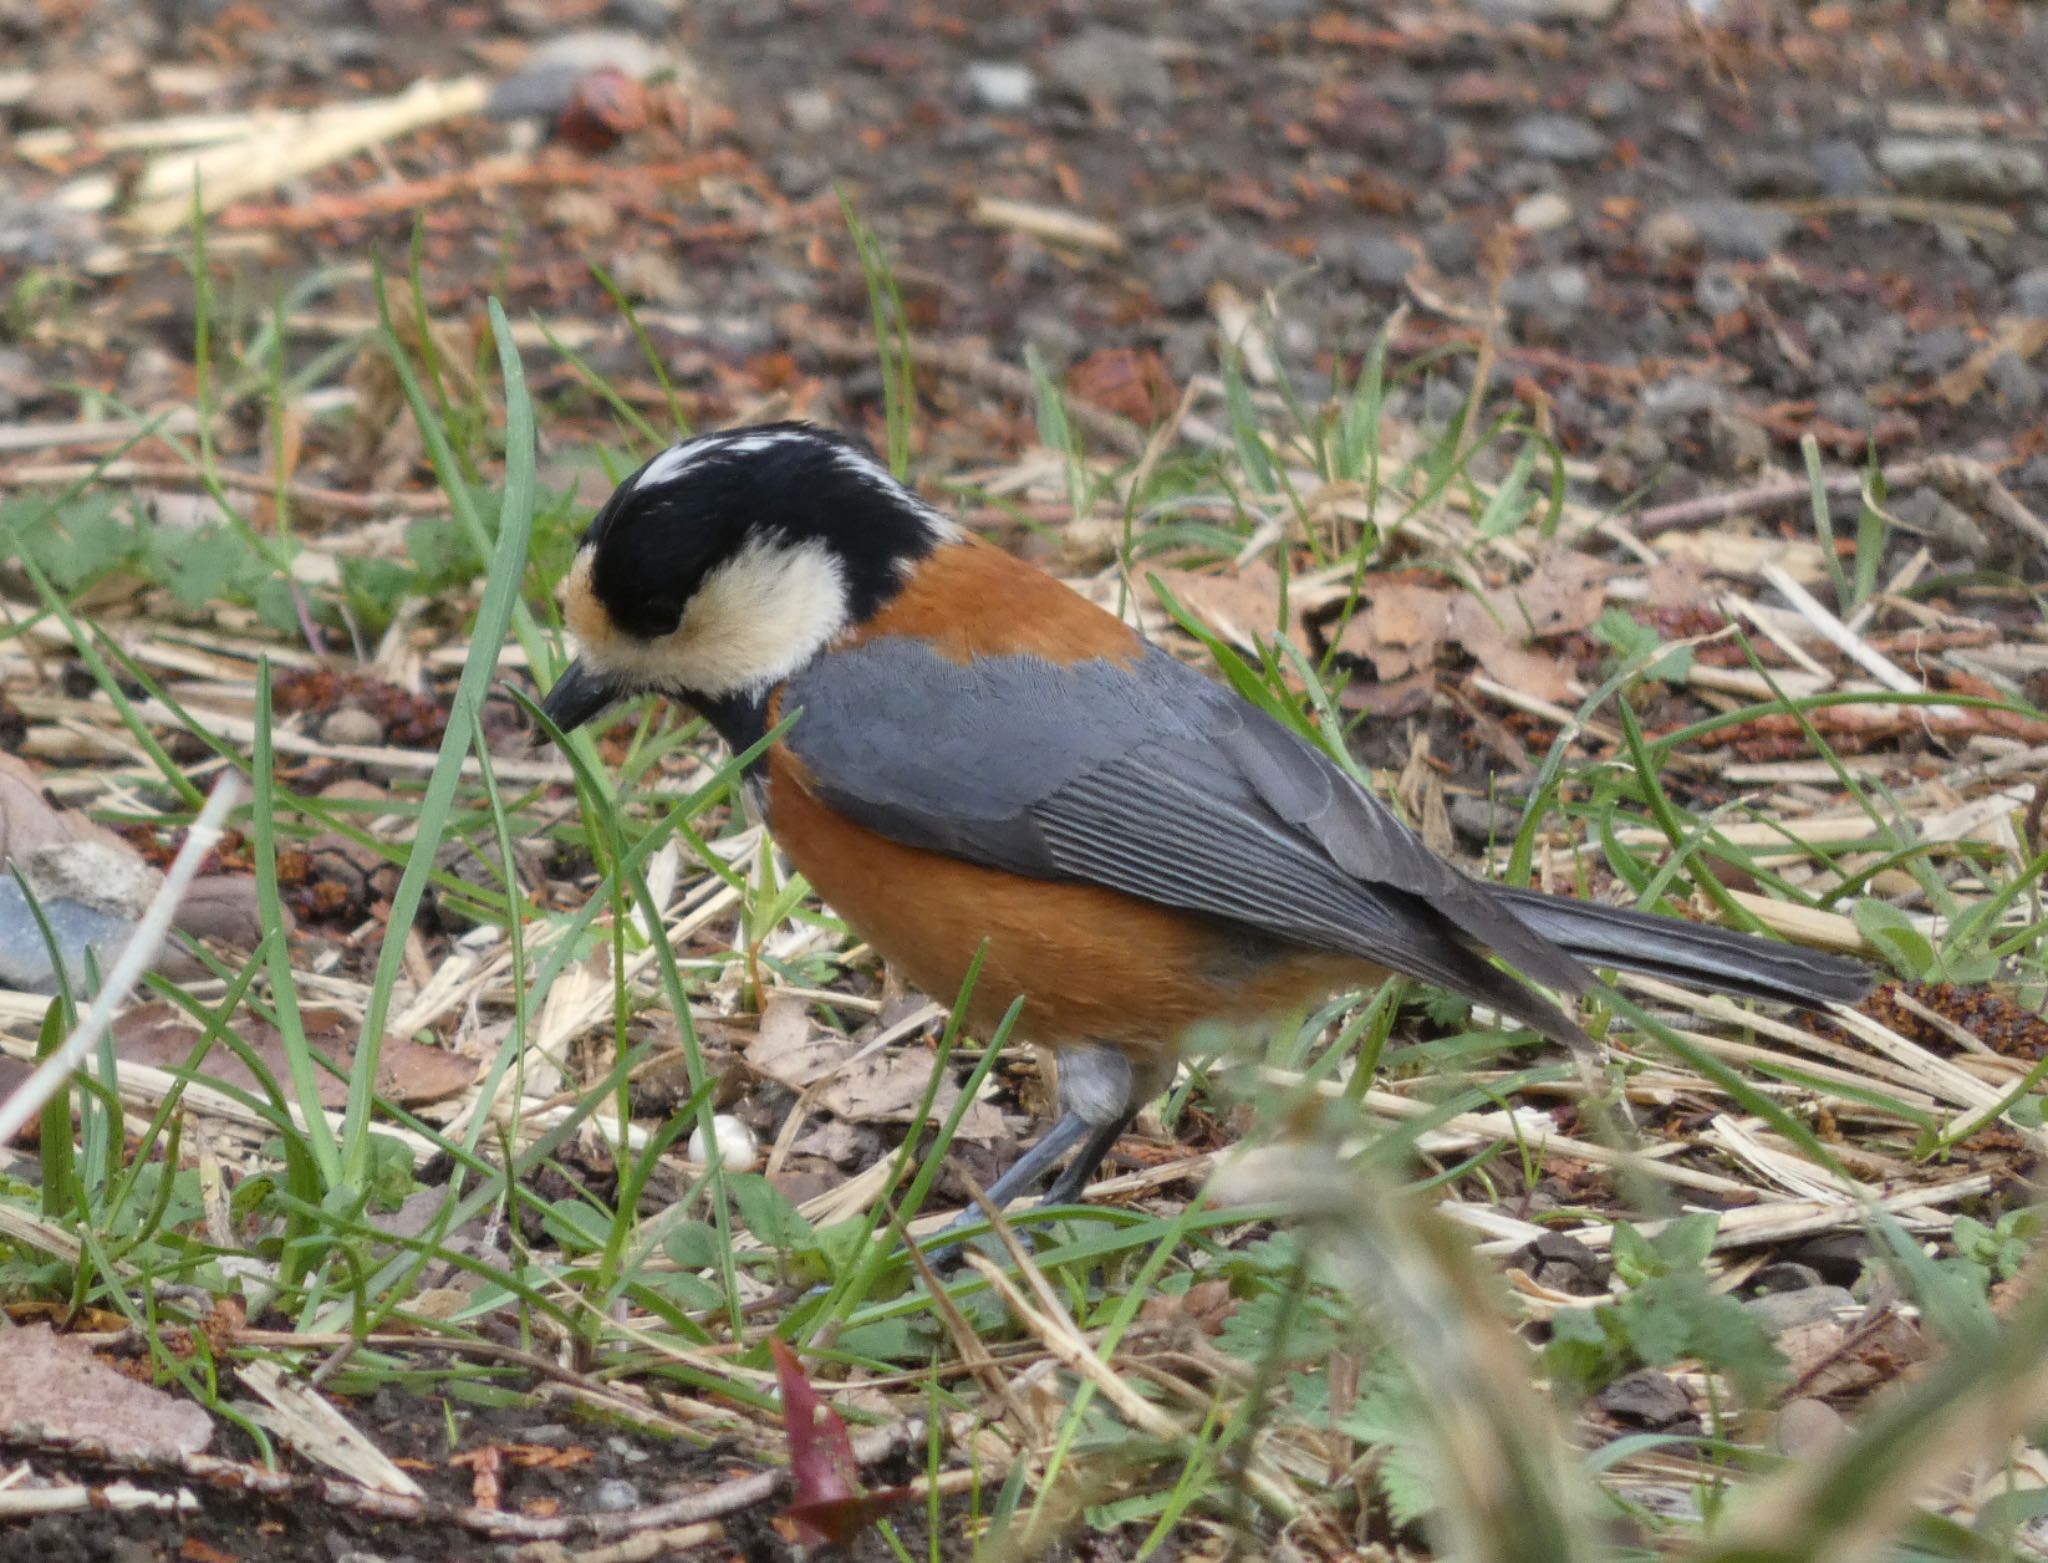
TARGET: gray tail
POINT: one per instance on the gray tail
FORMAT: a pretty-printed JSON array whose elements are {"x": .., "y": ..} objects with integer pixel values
[{"x": 1716, "y": 959}]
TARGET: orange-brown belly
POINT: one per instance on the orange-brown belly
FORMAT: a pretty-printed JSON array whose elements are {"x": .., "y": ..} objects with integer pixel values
[{"x": 1093, "y": 965}]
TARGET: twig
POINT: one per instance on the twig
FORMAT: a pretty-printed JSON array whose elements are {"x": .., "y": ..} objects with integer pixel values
[
  {"x": 1908, "y": 208},
  {"x": 331, "y": 501},
  {"x": 497, "y": 1524},
  {"x": 1053, "y": 224},
  {"x": 507, "y": 173},
  {"x": 31, "y": 1095},
  {"x": 1960, "y": 479},
  {"x": 1839, "y": 635}
]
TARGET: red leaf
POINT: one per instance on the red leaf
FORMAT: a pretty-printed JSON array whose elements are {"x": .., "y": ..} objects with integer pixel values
[{"x": 827, "y": 1505}]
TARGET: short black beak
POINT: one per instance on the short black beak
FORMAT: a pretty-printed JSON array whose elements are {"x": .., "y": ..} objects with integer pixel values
[{"x": 578, "y": 695}]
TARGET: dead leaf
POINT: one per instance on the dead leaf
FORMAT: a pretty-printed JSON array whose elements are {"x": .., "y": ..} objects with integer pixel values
[
  {"x": 1403, "y": 697},
  {"x": 790, "y": 1050},
  {"x": 163, "y": 1036},
  {"x": 1519, "y": 667},
  {"x": 1243, "y": 606},
  {"x": 2021, "y": 335},
  {"x": 1131, "y": 382},
  {"x": 887, "y": 1086},
  {"x": 1398, "y": 629},
  {"x": 60, "y": 1389},
  {"x": 1677, "y": 582},
  {"x": 1563, "y": 594}
]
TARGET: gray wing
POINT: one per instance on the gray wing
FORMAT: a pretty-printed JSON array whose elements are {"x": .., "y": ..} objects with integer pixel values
[{"x": 1153, "y": 781}]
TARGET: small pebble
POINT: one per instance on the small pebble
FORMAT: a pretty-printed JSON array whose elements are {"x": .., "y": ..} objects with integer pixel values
[
  {"x": 1778, "y": 1312},
  {"x": 738, "y": 1149},
  {"x": 351, "y": 726},
  {"x": 1542, "y": 212},
  {"x": 2015, "y": 381},
  {"x": 1808, "y": 1427},
  {"x": 809, "y": 110},
  {"x": 1000, "y": 86},
  {"x": 1718, "y": 291},
  {"x": 1961, "y": 168},
  {"x": 1559, "y": 138},
  {"x": 2030, "y": 293},
  {"x": 614, "y": 1495}
]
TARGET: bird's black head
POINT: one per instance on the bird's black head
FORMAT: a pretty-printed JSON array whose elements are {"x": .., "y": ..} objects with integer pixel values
[{"x": 729, "y": 561}]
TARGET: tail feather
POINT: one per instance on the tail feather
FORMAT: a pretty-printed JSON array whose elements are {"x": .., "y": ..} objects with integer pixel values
[{"x": 1688, "y": 953}]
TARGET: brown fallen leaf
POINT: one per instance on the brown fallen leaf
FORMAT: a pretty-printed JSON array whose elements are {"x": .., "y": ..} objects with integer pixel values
[
  {"x": 789, "y": 1048},
  {"x": 1677, "y": 582},
  {"x": 163, "y": 1036},
  {"x": 1133, "y": 383},
  {"x": 887, "y": 1086},
  {"x": 2021, "y": 335},
  {"x": 1242, "y": 606}
]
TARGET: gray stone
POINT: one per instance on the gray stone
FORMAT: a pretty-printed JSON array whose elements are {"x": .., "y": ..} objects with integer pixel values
[
  {"x": 1554, "y": 295},
  {"x": 1738, "y": 446},
  {"x": 2030, "y": 293},
  {"x": 1785, "y": 1275},
  {"x": 1778, "y": 1312},
  {"x": 1824, "y": 330},
  {"x": 1843, "y": 168},
  {"x": 809, "y": 110},
  {"x": 25, "y": 958},
  {"x": 1479, "y": 821},
  {"x": 615, "y": 1495},
  {"x": 1442, "y": 400},
  {"x": 1737, "y": 230},
  {"x": 1961, "y": 168},
  {"x": 1775, "y": 173},
  {"x": 1001, "y": 86},
  {"x": 1451, "y": 247},
  {"x": 2014, "y": 379},
  {"x": 1936, "y": 351},
  {"x": 646, "y": 16},
  {"x": 108, "y": 876},
  {"x": 1927, "y": 512},
  {"x": 543, "y": 86},
  {"x": 1053, "y": 332},
  {"x": 1182, "y": 281},
  {"x": 1103, "y": 65},
  {"x": 1611, "y": 97},
  {"x": 1646, "y": 1399},
  {"x": 1872, "y": 353},
  {"x": 1378, "y": 261},
  {"x": 351, "y": 725},
  {"x": 1719, "y": 291},
  {"x": 1559, "y": 138},
  {"x": 1680, "y": 397},
  {"x": 1842, "y": 405},
  {"x": 1641, "y": 443},
  {"x": 20, "y": 382}
]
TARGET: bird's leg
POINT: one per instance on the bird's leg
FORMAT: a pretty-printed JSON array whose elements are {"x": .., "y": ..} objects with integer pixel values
[
  {"x": 1097, "y": 1089},
  {"x": 1070, "y": 1185},
  {"x": 1025, "y": 1172}
]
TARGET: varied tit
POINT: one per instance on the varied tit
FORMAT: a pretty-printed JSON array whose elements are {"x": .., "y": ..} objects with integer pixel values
[{"x": 984, "y": 755}]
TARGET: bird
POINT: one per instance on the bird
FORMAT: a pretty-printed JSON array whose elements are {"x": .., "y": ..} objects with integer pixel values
[{"x": 980, "y": 760}]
